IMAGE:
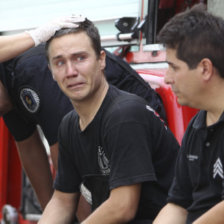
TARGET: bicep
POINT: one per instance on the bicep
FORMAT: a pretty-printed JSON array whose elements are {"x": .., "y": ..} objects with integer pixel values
[{"x": 127, "y": 197}]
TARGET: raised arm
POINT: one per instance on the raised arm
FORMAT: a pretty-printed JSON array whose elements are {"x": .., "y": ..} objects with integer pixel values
[
  {"x": 120, "y": 207},
  {"x": 171, "y": 214},
  {"x": 13, "y": 45}
]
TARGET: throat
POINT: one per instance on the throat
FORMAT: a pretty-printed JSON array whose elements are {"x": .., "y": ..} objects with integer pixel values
[
  {"x": 88, "y": 110},
  {"x": 212, "y": 118},
  {"x": 84, "y": 122}
]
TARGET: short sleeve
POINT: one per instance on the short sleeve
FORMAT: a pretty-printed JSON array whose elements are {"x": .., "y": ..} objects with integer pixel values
[
  {"x": 18, "y": 126},
  {"x": 128, "y": 142},
  {"x": 67, "y": 177}
]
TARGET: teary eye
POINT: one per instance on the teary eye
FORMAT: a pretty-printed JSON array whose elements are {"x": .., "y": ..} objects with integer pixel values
[
  {"x": 59, "y": 63},
  {"x": 80, "y": 58}
]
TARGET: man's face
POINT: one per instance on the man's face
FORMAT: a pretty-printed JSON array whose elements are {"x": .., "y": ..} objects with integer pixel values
[
  {"x": 75, "y": 66},
  {"x": 185, "y": 82},
  {"x": 5, "y": 102}
]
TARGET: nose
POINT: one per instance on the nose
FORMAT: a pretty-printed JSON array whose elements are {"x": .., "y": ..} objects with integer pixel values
[
  {"x": 71, "y": 69},
  {"x": 168, "y": 78}
]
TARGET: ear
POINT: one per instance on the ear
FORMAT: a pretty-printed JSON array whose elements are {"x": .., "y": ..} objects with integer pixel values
[
  {"x": 49, "y": 66},
  {"x": 102, "y": 59},
  {"x": 206, "y": 68}
]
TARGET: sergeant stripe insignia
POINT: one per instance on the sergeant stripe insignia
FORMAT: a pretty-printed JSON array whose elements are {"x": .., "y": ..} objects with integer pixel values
[
  {"x": 30, "y": 99},
  {"x": 218, "y": 169}
]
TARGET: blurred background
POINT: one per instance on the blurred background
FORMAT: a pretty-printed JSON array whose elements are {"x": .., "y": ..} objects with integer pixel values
[{"x": 17, "y": 15}]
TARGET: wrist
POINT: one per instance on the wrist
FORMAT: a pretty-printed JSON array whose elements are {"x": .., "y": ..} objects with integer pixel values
[{"x": 32, "y": 34}]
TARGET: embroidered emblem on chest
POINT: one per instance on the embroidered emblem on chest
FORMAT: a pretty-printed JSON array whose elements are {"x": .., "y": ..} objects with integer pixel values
[
  {"x": 192, "y": 157},
  {"x": 103, "y": 161},
  {"x": 30, "y": 99},
  {"x": 218, "y": 169}
]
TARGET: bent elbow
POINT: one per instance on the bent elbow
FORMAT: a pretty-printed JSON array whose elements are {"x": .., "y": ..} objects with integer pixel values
[{"x": 126, "y": 213}]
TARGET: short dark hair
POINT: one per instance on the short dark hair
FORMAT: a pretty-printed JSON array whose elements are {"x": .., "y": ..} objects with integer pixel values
[
  {"x": 85, "y": 26},
  {"x": 195, "y": 34}
]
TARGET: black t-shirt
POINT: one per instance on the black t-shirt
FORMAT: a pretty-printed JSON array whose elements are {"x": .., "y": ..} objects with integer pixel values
[
  {"x": 199, "y": 176},
  {"x": 39, "y": 101},
  {"x": 125, "y": 144}
]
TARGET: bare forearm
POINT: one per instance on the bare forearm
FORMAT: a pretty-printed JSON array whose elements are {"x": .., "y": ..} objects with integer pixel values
[
  {"x": 214, "y": 215},
  {"x": 171, "y": 214},
  {"x": 106, "y": 213},
  {"x": 35, "y": 163},
  {"x": 60, "y": 209},
  {"x": 53, "y": 215},
  {"x": 120, "y": 207},
  {"x": 13, "y": 45}
]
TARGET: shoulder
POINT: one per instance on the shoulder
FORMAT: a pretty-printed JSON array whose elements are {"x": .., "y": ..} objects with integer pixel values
[
  {"x": 124, "y": 105},
  {"x": 33, "y": 59},
  {"x": 69, "y": 118},
  {"x": 67, "y": 128},
  {"x": 122, "y": 99},
  {"x": 32, "y": 53},
  {"x": 196, "y": 122},
  {"x": 117, "y": 70},
  {"x": 194, "y": 125}
]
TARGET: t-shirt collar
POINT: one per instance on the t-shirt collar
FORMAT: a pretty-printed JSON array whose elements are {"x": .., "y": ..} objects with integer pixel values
[{"x": 200, "y": 120}]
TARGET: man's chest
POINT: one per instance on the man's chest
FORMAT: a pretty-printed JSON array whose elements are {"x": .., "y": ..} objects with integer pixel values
[{"x": 205, "y": 158}]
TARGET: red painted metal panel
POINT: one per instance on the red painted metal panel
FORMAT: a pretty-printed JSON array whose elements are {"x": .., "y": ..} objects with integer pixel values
[
  {"x": 178, "y": 116},
  {"x": 14, "y": 188},
  {"x": 10, "y": 170},
  {"x": 4, "y": 136}
]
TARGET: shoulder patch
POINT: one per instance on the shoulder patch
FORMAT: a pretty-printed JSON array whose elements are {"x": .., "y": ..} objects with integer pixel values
[{"x": 30, "y": 99}]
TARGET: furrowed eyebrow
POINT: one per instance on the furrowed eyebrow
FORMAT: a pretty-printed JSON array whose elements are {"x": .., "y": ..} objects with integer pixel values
[
  {"x": 74, "y": 54},
  {"x": 57, "y": 57}
]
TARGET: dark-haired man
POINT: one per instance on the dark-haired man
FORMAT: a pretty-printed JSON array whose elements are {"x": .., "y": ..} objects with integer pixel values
[
  {"x": 37, "y": 100},
  {"x": 195, "y": 51},
  {"x": 112, "y": 141}
]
